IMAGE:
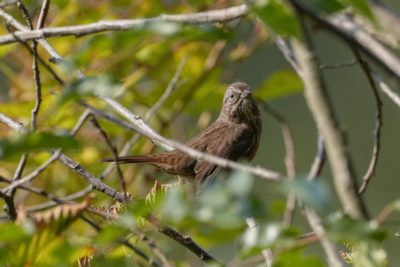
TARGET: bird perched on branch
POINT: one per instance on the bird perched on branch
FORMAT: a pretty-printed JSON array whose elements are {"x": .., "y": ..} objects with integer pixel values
[{"x": 235, "y": 134}]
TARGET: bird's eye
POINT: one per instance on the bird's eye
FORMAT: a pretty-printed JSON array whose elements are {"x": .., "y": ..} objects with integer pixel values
[{"x": 231, "y": 95}]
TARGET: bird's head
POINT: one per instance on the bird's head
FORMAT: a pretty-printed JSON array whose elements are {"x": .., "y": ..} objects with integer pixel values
[{"x": 238, "y": 104}]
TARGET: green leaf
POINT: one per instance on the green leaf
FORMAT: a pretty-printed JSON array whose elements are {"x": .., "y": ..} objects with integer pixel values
[
  {"x": 22, "y": 143},
  {"x": 278, "y": 16},
  {"x": 360, "y": 6},
  {"x": 280, "y": 84}
]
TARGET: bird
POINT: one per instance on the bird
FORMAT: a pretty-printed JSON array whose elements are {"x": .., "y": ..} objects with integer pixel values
[{"x": 234, "y": 135}]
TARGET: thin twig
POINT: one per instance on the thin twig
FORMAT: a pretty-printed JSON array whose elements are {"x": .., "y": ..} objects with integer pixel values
[
  {"x": 378, "y": 123},
  {"x": 170, "y": 88}
]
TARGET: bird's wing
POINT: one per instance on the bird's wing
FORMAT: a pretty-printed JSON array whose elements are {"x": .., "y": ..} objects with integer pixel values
[{"x": 232, "y": 147}]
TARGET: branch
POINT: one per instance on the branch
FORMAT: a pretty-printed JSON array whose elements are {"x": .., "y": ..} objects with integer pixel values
[{"x": 212, "y": 16}]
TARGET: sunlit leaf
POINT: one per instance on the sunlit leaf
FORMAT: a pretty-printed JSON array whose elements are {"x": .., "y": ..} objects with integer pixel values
[
  {"x": 277, "y": 15},
  {"x": 21, "y": 143},
  {"x": 279, "y": 84}
]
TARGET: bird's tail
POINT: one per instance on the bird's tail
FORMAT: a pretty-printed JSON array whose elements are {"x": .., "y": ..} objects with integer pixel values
[{"x": 131, "y": 159}]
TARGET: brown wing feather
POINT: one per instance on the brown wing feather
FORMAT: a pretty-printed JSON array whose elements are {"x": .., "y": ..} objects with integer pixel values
[{"x": 233, "y": 147}]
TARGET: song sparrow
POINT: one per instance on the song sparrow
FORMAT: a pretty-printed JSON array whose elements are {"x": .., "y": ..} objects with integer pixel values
[{"x": 234, "y": 135}]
